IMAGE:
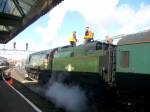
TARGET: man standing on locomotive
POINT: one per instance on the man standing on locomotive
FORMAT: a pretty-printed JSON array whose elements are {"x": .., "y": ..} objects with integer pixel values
[
  {"x": 109, "y": 39},
  {"x": 73, "y": 39},
  {"x": 88, "y": 37}
]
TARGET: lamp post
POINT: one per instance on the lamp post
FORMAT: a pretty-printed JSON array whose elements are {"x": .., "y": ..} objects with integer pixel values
[{"x": 27, "y": 45}]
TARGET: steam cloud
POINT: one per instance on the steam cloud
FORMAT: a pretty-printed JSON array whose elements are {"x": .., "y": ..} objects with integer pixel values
[{"x": 72, "y": 98}]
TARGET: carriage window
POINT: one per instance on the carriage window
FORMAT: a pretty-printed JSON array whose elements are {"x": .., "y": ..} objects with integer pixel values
[{"x": 124, "y": 59}]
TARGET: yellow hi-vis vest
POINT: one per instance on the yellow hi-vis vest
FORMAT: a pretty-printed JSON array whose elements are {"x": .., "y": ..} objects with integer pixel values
[
  {"x": 89, "y": 36},
  {"x": 72, "y": 39}
]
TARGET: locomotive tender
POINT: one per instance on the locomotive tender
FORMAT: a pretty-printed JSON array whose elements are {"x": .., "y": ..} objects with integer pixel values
[{"x": 125, "y": 66}]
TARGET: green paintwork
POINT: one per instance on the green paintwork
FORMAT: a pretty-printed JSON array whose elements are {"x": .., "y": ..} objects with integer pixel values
[
  {"x": 37, "y": 61},
  {"x": 77, "y": 59},
  {"x": 63, "y": 54},
  {"x": 78, "y": 64},
  {"x": 139, "y": 58}
]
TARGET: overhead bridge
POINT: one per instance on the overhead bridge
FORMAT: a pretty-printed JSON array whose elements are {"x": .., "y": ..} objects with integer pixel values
[{"x": 16, "y": 15}]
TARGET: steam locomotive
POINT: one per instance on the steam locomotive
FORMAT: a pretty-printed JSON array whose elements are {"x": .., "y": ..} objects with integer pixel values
[{"x": 124, "y": 67}]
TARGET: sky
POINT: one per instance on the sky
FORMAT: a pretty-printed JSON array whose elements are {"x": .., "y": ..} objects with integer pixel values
[{"x": 104, "y": 17}]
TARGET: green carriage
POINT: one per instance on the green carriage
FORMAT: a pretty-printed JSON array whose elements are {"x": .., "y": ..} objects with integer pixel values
[{"x": 133, "y": 63}]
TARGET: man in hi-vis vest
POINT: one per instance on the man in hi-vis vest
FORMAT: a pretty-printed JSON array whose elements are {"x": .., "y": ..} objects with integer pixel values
[
  {"x": 88, "y": 37},
  {"x": 73, "y": 39}
]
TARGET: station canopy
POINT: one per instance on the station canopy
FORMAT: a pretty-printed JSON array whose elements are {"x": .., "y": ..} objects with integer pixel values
[{"x": 16, "y": 15}]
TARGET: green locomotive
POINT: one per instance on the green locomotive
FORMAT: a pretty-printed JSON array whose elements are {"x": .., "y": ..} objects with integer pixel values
[
  {"x": 82, "y": 62},
  {"x": 124, "y": 67}
]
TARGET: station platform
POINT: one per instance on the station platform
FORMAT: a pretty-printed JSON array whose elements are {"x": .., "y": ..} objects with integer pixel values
[{"x": 12, "y": 101}]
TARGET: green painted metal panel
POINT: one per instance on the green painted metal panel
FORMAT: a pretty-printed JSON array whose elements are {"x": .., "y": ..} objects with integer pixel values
[
  {"x": 139, "y": 58},
  {"x": 77, "y": 64},
  {"x": 63, "y": 54},
  {"x": 38, "y": 60},
  {"x": 41, "y": 66}
]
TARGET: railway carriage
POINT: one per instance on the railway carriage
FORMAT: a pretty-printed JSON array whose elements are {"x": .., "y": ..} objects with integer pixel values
[{"x": 133, "y": 63}]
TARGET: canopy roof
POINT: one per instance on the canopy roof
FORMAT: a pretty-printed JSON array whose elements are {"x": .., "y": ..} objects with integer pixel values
[{"x": 16, "y": 15}]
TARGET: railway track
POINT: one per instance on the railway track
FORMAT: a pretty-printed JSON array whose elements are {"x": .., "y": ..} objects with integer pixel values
[
  {"x": 120, "y": 105},
  {"x": 43, "y": 104}
]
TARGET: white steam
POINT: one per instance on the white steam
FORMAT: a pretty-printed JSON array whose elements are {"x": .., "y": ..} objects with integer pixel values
[{"x": 72, "y": 98}]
